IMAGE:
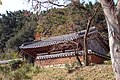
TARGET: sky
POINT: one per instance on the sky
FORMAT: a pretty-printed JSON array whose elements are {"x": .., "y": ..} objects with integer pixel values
[{"x": 13, "y": 5}]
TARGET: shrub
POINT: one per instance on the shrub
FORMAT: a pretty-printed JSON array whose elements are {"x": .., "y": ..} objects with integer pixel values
[
  {"x": 19, "y": 75},
  {"x": 9, "y": 55},
  {"x": 72, "y": 67},
  {"x": 15, "y": 64},
  {"x": 69, "y": 67},
  {"x": 24, "y": 72},
  {"x": 79, "y": 78},
  {"x": 59, "y": 78},
  {"x": 4, "y": 71}
]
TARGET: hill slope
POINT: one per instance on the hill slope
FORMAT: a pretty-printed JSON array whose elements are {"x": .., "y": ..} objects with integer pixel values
[{"x": 97, "y": 72}]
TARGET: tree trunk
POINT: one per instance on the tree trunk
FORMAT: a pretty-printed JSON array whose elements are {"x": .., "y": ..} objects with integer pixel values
[
  {"x": 77, "y": 57},
  {"x": 85, "y": 37},
  {"x": 114, "y": 45},
  {"x": 85, "y": 41},
  {"x": 85, "y": 46},
  {"x": 76, "y": 51},
  {"x": 113, "y": 23}
]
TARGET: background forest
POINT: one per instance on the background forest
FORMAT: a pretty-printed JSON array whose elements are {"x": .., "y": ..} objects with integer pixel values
[
  {"x": 20, "y": 26},
  {"x": 16, "y": 28}
]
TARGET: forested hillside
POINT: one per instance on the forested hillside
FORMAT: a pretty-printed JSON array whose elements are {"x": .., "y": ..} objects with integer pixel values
[
  {"x": 16, "y": 28},
  {"x": 20, "y": 26},
  {"x": 58, "y": 21}
]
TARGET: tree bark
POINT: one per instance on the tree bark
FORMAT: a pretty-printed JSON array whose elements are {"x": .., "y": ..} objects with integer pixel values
[
  {"x": 76, "y": 51},
  {"x": 77, "y": 57},
  {"x": 111, "y": 14},
  {"x": 114, "y": 45},
  {"x": 85, "y": 44},
  {"x": 85, "y": 37}
]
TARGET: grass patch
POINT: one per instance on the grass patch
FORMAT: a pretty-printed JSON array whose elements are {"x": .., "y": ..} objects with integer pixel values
[{"x": 97, "y": 72}]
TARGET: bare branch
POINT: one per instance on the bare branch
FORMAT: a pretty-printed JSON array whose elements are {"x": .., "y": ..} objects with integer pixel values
[
  {"x": 47, "y": 2},
  {"x": 57, "y": 4}
]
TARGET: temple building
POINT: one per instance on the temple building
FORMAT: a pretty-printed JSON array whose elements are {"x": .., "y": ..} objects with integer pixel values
[{"x": 59, "y": 50}]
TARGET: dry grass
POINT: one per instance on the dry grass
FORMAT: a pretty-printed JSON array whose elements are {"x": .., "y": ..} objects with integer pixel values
[{"x": 97, "y": 72}]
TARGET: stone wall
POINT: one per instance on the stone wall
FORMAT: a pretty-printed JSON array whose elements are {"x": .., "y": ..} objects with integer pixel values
[{"x": 67, "y": 60}]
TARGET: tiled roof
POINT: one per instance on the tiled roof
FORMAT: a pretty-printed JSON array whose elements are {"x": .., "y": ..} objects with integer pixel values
[
  {"x": 56, "y": 39},
  {"x": 68, "y": 54}
]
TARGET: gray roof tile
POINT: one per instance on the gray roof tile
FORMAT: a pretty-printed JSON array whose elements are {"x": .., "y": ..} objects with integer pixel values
[
  {"x": 68, "y": 54},
  {"x": 55, "y": 40}
]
